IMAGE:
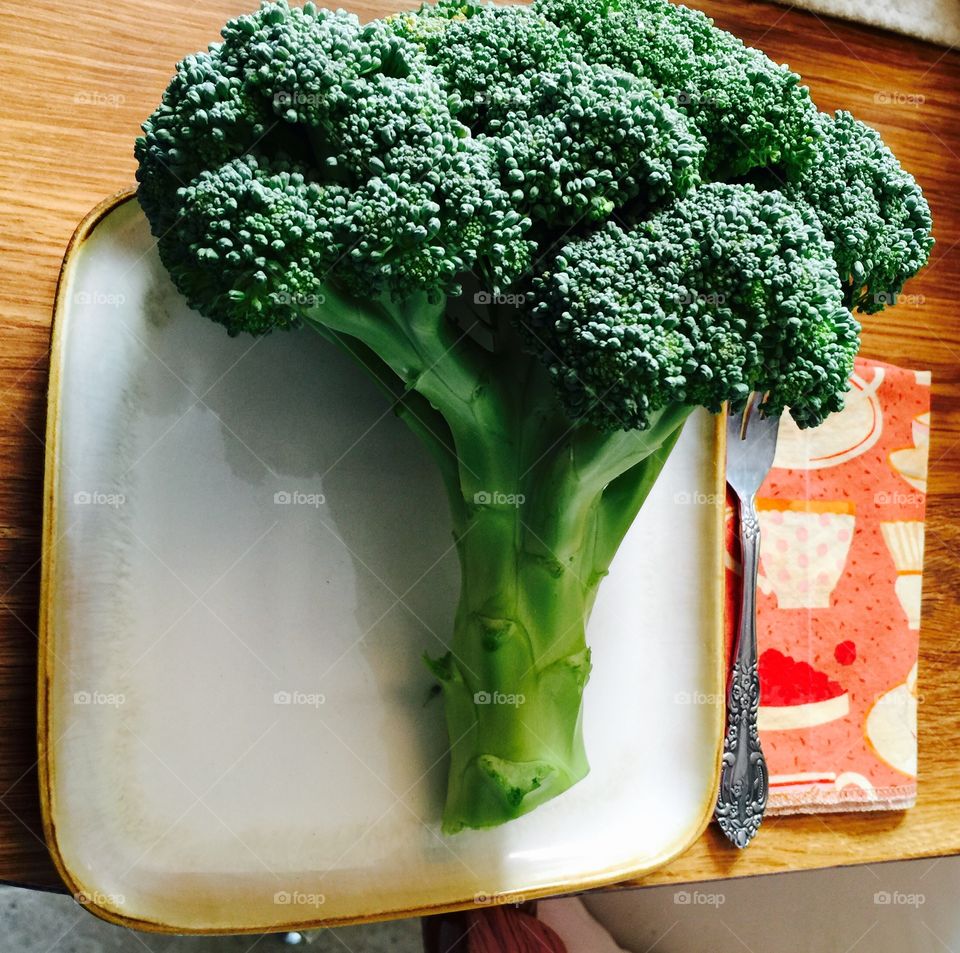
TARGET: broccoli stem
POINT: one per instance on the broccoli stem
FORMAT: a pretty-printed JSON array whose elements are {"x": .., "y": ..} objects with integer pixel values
[
  {"x": 514, "y": 677},
  {"x": 542, "y": 522},
  {"x": 513, "y": 680},
  {"x": 624, "y": 496},
  {"x": 540, "y": 505}
]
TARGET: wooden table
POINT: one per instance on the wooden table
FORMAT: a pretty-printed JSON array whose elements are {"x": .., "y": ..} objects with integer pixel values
[{"x": 77, "y": 77}]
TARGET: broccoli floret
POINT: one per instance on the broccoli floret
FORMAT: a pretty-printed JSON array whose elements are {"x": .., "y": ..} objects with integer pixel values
[
  {"x": 871, "y": 209},
  {"x": 631, "y": 321},
  {"x": 482, "y": 52},
  {"x": 578, "y": 143},
  {"x": 574, "y": 140},
  {"x": 548, "y": 233},
  {"x": 753, "y": 112},
  {"x": 333, "y": 147}
]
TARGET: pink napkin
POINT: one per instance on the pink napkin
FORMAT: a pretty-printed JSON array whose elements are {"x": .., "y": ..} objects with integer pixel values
[{"x": 838, "y": 614}]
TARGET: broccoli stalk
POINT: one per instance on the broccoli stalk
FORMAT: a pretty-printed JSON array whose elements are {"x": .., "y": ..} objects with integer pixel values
[
  {"x": 658, "y": 219},
  {"x": 540, "y": 505},
  {"x": 514, "y": 678}
]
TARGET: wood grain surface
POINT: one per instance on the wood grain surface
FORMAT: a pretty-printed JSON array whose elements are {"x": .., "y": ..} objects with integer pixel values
[{"x": 75, "y": 81}]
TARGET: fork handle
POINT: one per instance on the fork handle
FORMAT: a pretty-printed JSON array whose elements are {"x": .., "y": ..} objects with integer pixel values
[{"x": 743, "y": 774}]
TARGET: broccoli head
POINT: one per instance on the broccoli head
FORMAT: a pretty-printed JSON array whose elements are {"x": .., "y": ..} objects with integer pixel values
[
  {"x": 755, "y": 113},
  {"x": 631, "y": 321},
  {"x": 481, "y": 51},
  {"x": 870, "y": 208},
  {"x": 548, "y": 233},
  {"x": 307, "y": 147}
]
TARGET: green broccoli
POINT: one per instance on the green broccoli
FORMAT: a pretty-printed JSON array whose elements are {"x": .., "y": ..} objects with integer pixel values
[
  {"x": 753, "y": 112},
  {"x": 871, "y": 210},
  {"x": 548, "y": 233}
]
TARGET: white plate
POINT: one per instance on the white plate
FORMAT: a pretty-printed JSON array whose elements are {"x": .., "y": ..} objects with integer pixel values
[{"x": 185, "y": 601}]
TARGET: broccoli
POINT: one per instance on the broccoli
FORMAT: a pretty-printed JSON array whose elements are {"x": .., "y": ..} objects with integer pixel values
[
  {"x": 870, "y": 209},
  {"x": 754, "y": 112},
  {"x": 548, "y": 233}
]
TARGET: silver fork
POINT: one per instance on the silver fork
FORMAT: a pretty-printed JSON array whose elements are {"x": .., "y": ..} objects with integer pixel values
[{"x": 751, "y": 445}]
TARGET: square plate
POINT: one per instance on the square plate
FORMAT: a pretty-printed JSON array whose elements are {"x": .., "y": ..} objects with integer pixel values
[{"x": 245, "y": 559}]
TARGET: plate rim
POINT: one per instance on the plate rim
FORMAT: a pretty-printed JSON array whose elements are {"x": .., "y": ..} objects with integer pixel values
[{"x": 622, "y": 874}]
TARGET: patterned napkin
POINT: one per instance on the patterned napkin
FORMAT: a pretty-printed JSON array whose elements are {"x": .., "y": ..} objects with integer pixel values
[{"x": 838, "y": 614}]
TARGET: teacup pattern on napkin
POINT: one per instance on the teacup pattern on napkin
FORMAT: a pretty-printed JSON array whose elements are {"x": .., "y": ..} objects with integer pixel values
[{"x": 838, "y": 607}]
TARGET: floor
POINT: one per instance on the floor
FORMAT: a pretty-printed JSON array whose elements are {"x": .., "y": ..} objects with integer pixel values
[{"x": 902, "y": 907}]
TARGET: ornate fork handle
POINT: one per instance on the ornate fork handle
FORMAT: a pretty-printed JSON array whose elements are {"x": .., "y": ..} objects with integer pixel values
[{"x": 743, "y": 776}]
